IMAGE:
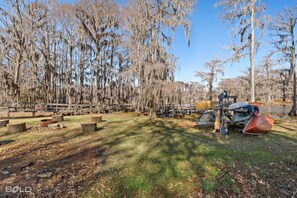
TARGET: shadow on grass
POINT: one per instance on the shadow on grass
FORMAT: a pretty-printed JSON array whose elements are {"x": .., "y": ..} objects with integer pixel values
[
  {"x": 141, "y": 157},
  {"x": 99, "y": 129},
  {"x": 158, "y": 152},
  {"x": 168, "y": 154},
  {"x": 4, "y": 142},
  {"x": 288, "y": 128}
]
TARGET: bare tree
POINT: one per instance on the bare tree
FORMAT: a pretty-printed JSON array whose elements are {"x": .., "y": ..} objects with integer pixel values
[
  {"x": 92, "y": 51},
  {"x": 245, "y": 15},
  {"x": 283, "y": 26},
  {"x": 284, "y": 74},
  {"x": 265, "y": 68},
  {"x": 148, "y": 44},
  {"x": 13, "y": 36},
  {"x": 228, "y": 85},
  {"x": 215, "y": 67},
  {"x": 98, "y": 20},
  {"x": 68, "y": 32}
]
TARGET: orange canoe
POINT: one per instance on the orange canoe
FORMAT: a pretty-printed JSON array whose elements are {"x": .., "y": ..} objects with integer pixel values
[{"x": 258, "y": 125}]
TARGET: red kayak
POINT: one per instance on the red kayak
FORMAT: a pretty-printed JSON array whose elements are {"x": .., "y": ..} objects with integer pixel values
[{"x": 258, "y": 125}]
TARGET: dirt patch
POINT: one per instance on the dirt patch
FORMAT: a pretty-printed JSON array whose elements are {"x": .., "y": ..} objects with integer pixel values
[
  {"x": 53, "y": 167},
  {"x": 253, "y": 182}
]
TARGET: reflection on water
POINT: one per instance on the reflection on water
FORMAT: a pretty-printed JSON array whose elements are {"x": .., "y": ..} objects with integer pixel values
[{"x": 275, "y": 111}]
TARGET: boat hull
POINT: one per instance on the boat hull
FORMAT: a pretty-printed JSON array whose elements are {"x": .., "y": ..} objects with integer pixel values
[{"x": 258, "y": 125}]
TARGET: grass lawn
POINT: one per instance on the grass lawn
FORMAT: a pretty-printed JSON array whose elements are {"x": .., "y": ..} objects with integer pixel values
[{"x": 148, "y": 157}]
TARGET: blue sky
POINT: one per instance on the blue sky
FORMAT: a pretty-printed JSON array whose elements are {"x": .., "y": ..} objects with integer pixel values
[{"x": 209, "y": 38}]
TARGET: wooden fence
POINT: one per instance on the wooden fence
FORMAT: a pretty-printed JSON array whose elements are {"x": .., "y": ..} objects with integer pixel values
[
  {"x": 82, "y": 109},
  {"x": 65, "y": 109}
]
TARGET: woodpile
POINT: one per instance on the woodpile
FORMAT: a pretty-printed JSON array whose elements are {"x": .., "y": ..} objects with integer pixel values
[
  {"x": 88, "y": 127},
  {"x": 18, "y": 127},
  {"x": 3, "y": 123}
]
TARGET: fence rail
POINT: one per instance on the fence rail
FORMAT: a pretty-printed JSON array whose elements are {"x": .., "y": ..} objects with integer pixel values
[
  {"x": 81, "y": 109},
  {"x": 65, "y": 109}
]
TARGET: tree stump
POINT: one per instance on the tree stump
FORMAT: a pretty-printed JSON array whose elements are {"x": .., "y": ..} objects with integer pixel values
[
  {"x": 46, "y": 122},
  {"x": 96, "y": 118},
  {"x": 88, "y": 127},
  {"x": 58, "y": 118},
  {"x": 18, "y": 127},
  {"x": 3, "y": 123}
]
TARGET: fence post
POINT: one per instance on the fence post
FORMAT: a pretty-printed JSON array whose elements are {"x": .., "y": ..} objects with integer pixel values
[{"x": 8, "y": 113}]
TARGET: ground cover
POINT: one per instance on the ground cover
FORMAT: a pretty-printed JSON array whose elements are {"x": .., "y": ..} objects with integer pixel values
[{"x": 138, "y": 156}]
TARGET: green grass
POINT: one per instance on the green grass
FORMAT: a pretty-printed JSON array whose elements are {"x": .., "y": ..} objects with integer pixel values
[{"x": 147, "y": 157}]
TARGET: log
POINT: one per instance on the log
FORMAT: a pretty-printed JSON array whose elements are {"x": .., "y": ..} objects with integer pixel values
[
  {"x": 3, "y": 123},
  {"x": 18, "y": 127},
  {"x": 58, "y": 118},
  {"x": 97, "y": 118},
  {"x": 88, "y": 127},
  {"x": 46, "y": 122}
]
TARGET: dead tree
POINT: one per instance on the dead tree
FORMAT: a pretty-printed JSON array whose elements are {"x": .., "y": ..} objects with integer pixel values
[
  {"x": 244, "y": 14},
  {"x": 13, "y": 37},
  {"x": 147, "y": 45},
  {"x": 98, "y": 20},
  {"x": 265, "y": 67},
  {"x": 283, "y": 27},
  {"x": 215, "y": 67}
]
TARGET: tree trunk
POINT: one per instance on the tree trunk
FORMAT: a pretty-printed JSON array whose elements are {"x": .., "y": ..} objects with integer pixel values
[
  {"x": 58, "y": 118},
  {"x": 210, "y": 92},
  {"x": 284, "y": 91},
  {"x": 252, "y": 53},
  {"x": 17, "y": 77},
  {"x": 293, "y": 70},
  {"x": 293, "y": 110},
  {"x": 88, "y": 127},
  {"x": 14, "y": 128},
  {"x": 96, "y": 118},
  {"x": 69, "y": 78}
]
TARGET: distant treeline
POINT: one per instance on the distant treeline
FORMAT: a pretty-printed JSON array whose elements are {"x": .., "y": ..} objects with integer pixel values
[{"x": 103, "y": 52}]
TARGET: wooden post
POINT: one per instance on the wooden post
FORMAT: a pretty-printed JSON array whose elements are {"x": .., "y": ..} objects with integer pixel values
[{"x": 34, "y": 111}]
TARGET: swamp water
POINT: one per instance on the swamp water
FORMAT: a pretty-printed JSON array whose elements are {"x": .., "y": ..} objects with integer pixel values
[{"x": 275, "y": 111}]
